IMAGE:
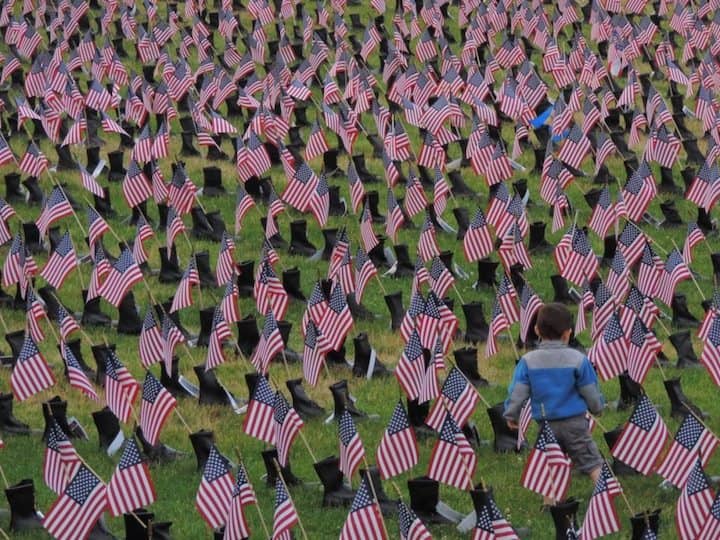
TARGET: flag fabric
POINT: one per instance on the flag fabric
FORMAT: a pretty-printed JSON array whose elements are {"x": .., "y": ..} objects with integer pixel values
[
  {"x": 258, "y": 422},
  {"x": 453, "y": 460},
  {"x": 150, "y": 342},
  {"x": 243, "y": 494},
  {"x": 477, "y": 242},
  {"x": 601, "y": 517},
  {"x": 155, "y": 407},
  {"x": 121, "y": 388},
  {"x": 642, "y": 439},
  {"x": 270, "y": 344},
  {"x": 62, "y": 261},
  {"x": 215, "y": 491},
  {"x": 76, "y": 511},
  {"x": 411, "y": 526},
  {"x": 547, "y": 469},
  {"x": 130, "y": 486},
  {"x": 609, "y": 354},
  {"x": 123, "y": 275},
  {"x": 458, "y": 398},
  {"x": 61, "y": 459},
  {"x": 692, "y": 440},
  {"x": 364, "y": 522},
  {"x": 76, "y": 376},
  {"x": 285, "y": 516},
  {"x": 31, "y": 373},
  {"x": 287, "y": 424},
  {"x": 56, "y": 207},
  {"x": 398, "y": 451},
  {"x": 694, "y": 503},
  {"x": 352, "y": 451}
]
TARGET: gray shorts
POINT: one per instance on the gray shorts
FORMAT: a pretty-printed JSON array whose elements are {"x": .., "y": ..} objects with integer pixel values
[{"x": 574, "y": 437}]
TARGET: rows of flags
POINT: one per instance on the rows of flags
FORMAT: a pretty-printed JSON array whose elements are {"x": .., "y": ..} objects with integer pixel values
[{"x": 607, "y": 108}]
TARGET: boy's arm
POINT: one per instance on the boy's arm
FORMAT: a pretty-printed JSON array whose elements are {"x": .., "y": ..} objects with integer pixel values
[
  {"x": 587, "y": 385},
  {"x": 518, "y": 392}
]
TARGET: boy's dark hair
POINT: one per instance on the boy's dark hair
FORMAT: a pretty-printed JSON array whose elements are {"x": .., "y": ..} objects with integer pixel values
[{"x": 553, "y": 320}]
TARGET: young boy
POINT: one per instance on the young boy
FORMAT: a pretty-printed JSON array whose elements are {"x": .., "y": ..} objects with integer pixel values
[{"x": 562, "y": 386}]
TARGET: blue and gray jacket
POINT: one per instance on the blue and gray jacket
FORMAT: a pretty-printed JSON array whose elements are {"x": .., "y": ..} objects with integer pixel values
[{"x": 560, "y": 382}]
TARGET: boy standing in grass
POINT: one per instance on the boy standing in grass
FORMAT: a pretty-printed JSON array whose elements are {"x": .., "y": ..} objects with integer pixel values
[{"x": 562, "y": 386}]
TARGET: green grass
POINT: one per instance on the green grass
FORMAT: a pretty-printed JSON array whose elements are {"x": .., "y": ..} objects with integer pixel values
[{"x": 176, "y": 483}]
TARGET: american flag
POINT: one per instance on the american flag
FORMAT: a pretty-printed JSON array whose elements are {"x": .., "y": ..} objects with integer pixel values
[
  {"x": 639, "y": 191},
  {"x": 453, "y": 460},
  {"x": 365, "y": 521},
  {"x": 257, "y": 157},
  {"x": 183, "y": 294},
  {"x": 130, "y": 486},
  {"x": 694, "y": 503},
  {"x": 458, "y": 398},
  {"x": 287, "y": 424},
  {"x": 135, "y": 187},
  {"x": 313, "y": 353},
  {"x": 56, "y": 207},
  {"x": 123, "y": 275},
  {"x": 97, "y": 226},
  {"x": 337, "y": 319},
  {"x": 215, "y": 491},
  {"x": 155, "y": 407},
  {"x": 498, "y": 323},
  {"x": 415, "y": 200},
  {"x": 121, "y": 388},
  {"x": 618, "y": 278},
  {"x": 603, "y": 214},
  {"x": 643, "y": 348},
  {"x": 66, "y": 322},
  {"x": 674, "y": 271},
  {"x": 219, "y": 333},
  {"x": 300, "y": 187},
  {"x": 61, "y": 459},
  {"x": 427, "y": 243},
  {"x": 367, "y": 235},
  {"x": 642, "y": 439},
  {"x": 175, "y": 226},
  {"x": 243, "y": 495},
  {"x": 395, "y": 218},
  {"x": 574, "y": 256},
  {"x": 411, "y": 526},
  {"x": 712, "y": 524},
  {"x": 258, "y": 421},
  {"x": 320, "y": 201},
  {"x": 692, "y": 441},
  {"x": 269, "y": 292},
  {"x": 150, "y": 342},
  {"x": 530, "y": 304},
  {"x": 710, "y": 356},
  {"x": 225, "y": 266},
  {"x": 270, "y": 344},
  {"x": 693, "y": 237},
  {"x": 181, "y": 192},
  {"x": 631, "y": 242},
  {"x": 61, "y": 263},
  {"x": 601, "y": 518},
  {"x": 609, "y": 354},
  {"x": 478, "y": 242},
  {"x": 547, "y": 470},
  {"x": 31, "y": 374},
  {"x": 352, "y": 451},
  {"x": 285, "y": 516},
  {"x": 34, "y": 162},
  {"x": 75, "y": 374},
  {"x": 410, "y": 369},
  {"x": 316, "y": 144},
  {"x": 398, "y": 451},
  {"x": 357, "y": 191},
  {"x": 364, "y": 271},
  {"x": 243, "y": 204},
  {"x": 77, "y": 510}
]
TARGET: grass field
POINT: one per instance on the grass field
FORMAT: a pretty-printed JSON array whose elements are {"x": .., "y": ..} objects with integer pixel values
[{"x": 176, "y": 483}]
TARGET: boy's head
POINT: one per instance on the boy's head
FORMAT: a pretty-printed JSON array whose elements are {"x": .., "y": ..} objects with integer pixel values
[{"x": 554, "y": 322}]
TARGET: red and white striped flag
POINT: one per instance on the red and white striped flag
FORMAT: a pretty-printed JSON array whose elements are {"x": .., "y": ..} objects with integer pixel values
[
  {"x": 156, "y": 404},
  {"x": 453, "y": 460},
  {"x": 130, "y": 486},
  {"x": 61, "y": 459},
  {"x": 398, "y": 451},
  {"x": 213, "y": 496},
  {"x": 601, "y": 517}
]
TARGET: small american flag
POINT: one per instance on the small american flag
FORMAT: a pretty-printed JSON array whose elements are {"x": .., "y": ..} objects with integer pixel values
[
  {"x": 150, "y": 343},
  {"x": 643, "y": 438},
  {"x": 61, "y": 263},
  {"x": 530, "y": 304},
  {"x": 130, "y": 486},
  {"x": 269, "y": 292},
  {"x": 219, "y": 333},
  {"x": 352, "y": 451},
  {"x": 313, "y": 355},
  {"x": 337, "y": 319},
  {"x": 458, "y": 398},
  {"x": 365, "y": 519},
  {"x": 498, "y": 323},
  {"x": 75, "y": 374},
  {"x": 67, "y": 323},
  {"x": 243, "y": 495},
  {"x": 477, "y": 242},
  {"x": 34, "y": 162},
  {"x": 367, "y": 235},
  {"x": 410, "y": 369},
  {"x": 364, "y": 271},
  {"x": 77, "y": 510},
  {"x": 427, "y": 243},
  {"x": 411, "y": 526},
  {"x": 56, "y": 207},
  {"x": 135, "y": 187},
  {"x": 183, "y": 294},
  {"x": 675, "y": 271},
  {"x": 31, "y": 373},
  {"x": 124, "y": 274},
  {"x": 547, "y": 470},
  {"x": 270, "y": 344},
  {"x": 609, "y": 354},
  {"x": 398, "y": 451},
  {"x": 639, "y": 191},
  {"x": 61, "y": 459},
  {"x": 694, "y": 503},
  {"x": 300, "y": 187},
  {"x": 287, "y": 424},
  {"x": 155, "y": 407},
  {"x": 453, "y": 460},
  {"x": 121, "y": 388},
  {"x": 97, "y": 226},
  {"x": 692, "y": 441},
  {"x": 215, "y": 491},
  {"x": 711, "y": 529},
  {"x": 601, "y": 518},
  {"x": 258, "y": 422},
  {"x": 693, "y": 237}
]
